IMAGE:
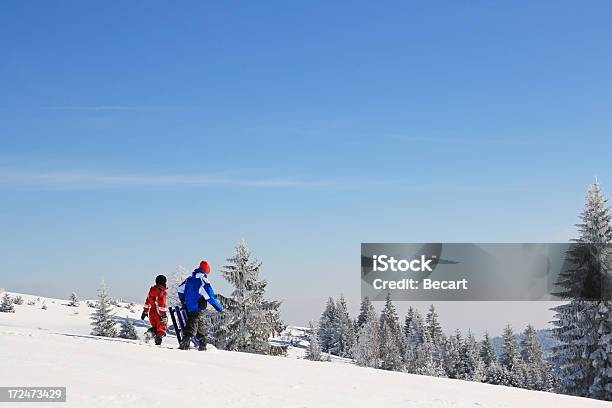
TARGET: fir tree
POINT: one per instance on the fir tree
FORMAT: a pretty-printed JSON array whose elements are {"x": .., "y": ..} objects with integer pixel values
[
  {"x": 128, "y": 330},
  {"x": 313, "y": 352},
  {"x": 366, "y": 312},
  {"x": 601, "y": 356},
  {"x": 343, "y": 333},
  {"x": 587, "y": 277},
  {"x": 327, "y": 323},
  {"x": 487, "y": 351},
  {"x": 18, "y": 300},
  {"x": 417, "y": 328},
  {"x": 7, "y": 304},
  {"x": 472, "y": 365},
  {"x": 246, "y": 324},
  {"x": 273, "y": 318},
  {"x": 510, "y": 360},
  {"x": 435, "y": 333},
  {"x": 570, "y": 356},
  {"x": 391, "y": 344},
  {"x": 533, "y": 357},
  {"x": 173, "y": 282},
  {"x": 582, "y": 326},
  {"x": 415, "y": 331},
  {"x": 366, "y": 350},
  {"x": 493, "y": 373},
  {"x": 433, "y": 326},
  {"x": 407, "y": 321},
  {"x": 102, "y": 318},
  {"x": 451, "y": 356},
  {"x": 423, "y": 360},
  {"x": 73, "y": 300}
]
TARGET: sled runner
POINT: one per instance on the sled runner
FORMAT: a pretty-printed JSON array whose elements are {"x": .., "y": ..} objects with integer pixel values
[{"x": 179, "y": 314}]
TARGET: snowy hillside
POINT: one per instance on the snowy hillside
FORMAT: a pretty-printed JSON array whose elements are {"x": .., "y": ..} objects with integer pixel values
[
  {"x": 53, "y": 347},
  {"x": 58, "y": 316}
]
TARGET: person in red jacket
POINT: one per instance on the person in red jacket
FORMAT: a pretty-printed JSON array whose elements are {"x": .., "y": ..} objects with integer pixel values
[{"x": 155, "y": 307}]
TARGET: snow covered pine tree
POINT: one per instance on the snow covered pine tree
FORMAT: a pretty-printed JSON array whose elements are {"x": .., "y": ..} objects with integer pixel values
[
  {"x": 435, "y": 333},
  {"x": 128, "y": 330},
  {"x": 583, "y": 358},
  {"x": 366, "y": 350},
  {"x": 7, "y": 304},
  {"x": 451, "y": 356},
  {"x": 433, "y": 325},
  {"x": 473, "y": 367},
  {"x": 492, "y": 370},
  {"x": 174, "y": 281},
  {"x": 537, "y": 370},
  {"x": 102, "y": 318},
  {"x": 511, "y": 361},
  {"x": 327, "y": 323},
  {"x": 73, "y": 300},
  {"x": 313, "y": 352},
  {"x": 343, "y": 331},
  {"x": 391, "y": 343},
  {"x": 249, "y": 319},
  {"x": 366, "y": 312}
]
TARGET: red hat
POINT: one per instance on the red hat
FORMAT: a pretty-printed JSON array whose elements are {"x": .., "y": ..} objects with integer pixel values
[{"x": 205, "y": 267}]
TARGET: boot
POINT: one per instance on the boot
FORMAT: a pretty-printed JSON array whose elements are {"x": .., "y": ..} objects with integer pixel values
[
  {"x": 185, "y": 344},
  {"x": 149, "y": 334},
  {"x": 202, "y": 346},
  {"x": 158, "y": 340}
]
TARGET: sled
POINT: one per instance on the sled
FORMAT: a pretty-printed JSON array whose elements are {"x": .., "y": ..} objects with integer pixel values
[{"x": 179, "y": 314}]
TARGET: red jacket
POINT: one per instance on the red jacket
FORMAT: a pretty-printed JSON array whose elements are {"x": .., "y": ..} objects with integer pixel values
[{"x": 156, "y": 301}]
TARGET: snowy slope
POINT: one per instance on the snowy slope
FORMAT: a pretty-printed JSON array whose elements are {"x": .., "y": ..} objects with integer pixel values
[
  {"x": 52, "y": 347},
  {"x": 296, "y": 340},
  {"x": 59, "y": 316}
]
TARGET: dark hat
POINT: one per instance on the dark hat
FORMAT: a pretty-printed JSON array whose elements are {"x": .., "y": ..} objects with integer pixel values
[{"x": 160, "y": 280}]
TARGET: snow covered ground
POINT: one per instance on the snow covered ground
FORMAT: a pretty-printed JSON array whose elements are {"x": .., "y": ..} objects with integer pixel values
[{"x": 53, "y": 347}]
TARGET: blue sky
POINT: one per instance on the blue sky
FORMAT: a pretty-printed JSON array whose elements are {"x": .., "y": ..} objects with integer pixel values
[{"x": 138, "y": 136}]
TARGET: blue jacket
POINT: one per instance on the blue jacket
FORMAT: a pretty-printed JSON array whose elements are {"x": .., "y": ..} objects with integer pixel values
[{"x": 196, "y": 288}]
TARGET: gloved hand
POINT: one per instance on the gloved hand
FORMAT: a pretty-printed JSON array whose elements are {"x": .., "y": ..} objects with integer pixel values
[
  {"x": 143, "y": 315},
  {"x": 164, "y": 320}
]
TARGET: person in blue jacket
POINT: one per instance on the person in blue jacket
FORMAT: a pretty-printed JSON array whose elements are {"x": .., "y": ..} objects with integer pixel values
[{"x": 195, "y": 293}]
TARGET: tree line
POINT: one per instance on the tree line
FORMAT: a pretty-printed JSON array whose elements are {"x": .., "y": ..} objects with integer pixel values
[
  {"x": 419, "y": 345},
  {"x": 580, "y": 363}
]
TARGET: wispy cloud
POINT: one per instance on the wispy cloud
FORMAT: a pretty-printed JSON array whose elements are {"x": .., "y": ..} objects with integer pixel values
[
  {"x": 85, "y": 180},
  {"x": 90, "y": 180},
  {"x": 17, "y": 175},
  {"x": 132, "y": 108}
]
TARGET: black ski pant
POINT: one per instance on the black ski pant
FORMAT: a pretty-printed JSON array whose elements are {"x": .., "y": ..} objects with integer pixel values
[{"x": 195, "y": 327}]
